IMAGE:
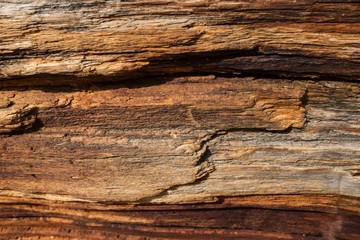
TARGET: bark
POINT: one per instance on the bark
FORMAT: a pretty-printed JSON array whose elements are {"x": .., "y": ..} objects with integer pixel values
[{"x": 180, "y": 119}]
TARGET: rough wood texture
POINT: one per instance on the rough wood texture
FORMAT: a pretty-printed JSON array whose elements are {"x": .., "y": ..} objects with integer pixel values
[
  {"x": 240, "y": 135},
  {"x": 130, "y": 38},
  {"x": 180, "y": 119},
  {"x": 250, "y": 217}
]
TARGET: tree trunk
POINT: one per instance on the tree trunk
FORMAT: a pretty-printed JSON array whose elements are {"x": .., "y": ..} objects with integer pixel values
[{"x": 180, "y": 119}]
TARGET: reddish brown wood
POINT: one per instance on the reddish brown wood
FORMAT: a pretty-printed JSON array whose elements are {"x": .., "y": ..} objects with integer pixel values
[
  {"x": 248, "y": 217},
  {"x": 222, "y": 107}
]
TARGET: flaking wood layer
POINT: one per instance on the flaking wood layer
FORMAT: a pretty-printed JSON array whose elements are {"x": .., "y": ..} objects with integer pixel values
[{"x": 179, "y": 119}]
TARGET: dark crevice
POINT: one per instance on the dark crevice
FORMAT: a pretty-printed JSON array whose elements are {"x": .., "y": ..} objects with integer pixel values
[
  {"x": 166, "y": 66},
  {"x": 258, "y": 74},
  {"x": 259, "y": 130},
  {"x": 162, "y": 69},
  {"x": 305, "y": 99},
  {"x": 107, "y": 83},
  {"x": 304, "y": 104},
  {"x": 75, "y": 84},
  {"x": 34, "y": 127},
  {"x": 204, "y": 157}
]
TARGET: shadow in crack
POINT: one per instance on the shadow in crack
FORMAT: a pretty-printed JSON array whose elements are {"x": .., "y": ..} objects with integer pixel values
[
  {"x": 24, "y": 123},
  {"x": 226, "y": 63},
  {"x": 159, "y": 70}
]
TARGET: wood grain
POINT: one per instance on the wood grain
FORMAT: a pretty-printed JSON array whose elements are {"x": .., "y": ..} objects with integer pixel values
[
  {"x": 202, "y": 136},
  {"x": 179, "y": 119},
  {"x": 129, "y": 38},
  {"x": 251, "y": 217}
]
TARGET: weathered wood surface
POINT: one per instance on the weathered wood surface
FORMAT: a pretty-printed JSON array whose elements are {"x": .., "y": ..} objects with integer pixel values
[
  {"x": 233, "y": 106},
  {"x": 131, "y": 38},
  {"x": 249, "y": 217},
  {"x": 138, "y": 143}
]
